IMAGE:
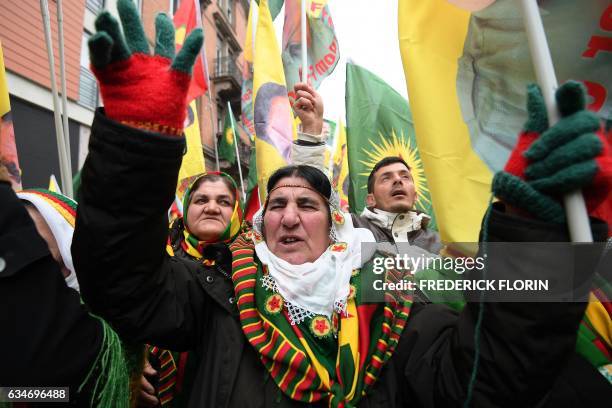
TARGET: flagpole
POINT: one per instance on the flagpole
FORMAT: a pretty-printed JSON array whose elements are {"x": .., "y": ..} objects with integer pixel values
[
  {"x": 231, "y": 115},
  {"x": 254, "y": 27},
  {"x": 254, "y": 34},
  {"x": 575, "y": 208},
  {"x": 60, "y": 26},
  {"x": 214, "y": 131},
  {"x": 61, "y": 144},
  {"x": 304, "y": 45}
]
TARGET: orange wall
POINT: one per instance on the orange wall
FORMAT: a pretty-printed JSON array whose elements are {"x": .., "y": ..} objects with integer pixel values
[
  {"x": 23, "y": 40},
  {"x": 150, "y": 8}
]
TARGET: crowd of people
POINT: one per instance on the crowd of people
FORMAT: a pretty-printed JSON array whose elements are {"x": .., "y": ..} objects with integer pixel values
[{"x": 105, "y": 298}]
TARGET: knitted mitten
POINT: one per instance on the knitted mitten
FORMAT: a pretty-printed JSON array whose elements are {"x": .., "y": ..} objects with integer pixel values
[
  {"x": 571, "y": 155},
  {"x": 138, "y": 89}
]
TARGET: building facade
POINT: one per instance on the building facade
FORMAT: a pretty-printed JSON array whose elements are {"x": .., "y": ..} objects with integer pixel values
[
  {"x": 224, "y": 23},
  {"x": 29, "y": 82}
]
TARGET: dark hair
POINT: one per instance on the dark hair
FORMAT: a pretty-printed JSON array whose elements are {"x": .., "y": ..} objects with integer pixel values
[
  {"x": 384, "y": 163},
  {"x": 267, "y": 93},
  {"x": 211, "y": 178},
  {"x": 312, "y": 175}
]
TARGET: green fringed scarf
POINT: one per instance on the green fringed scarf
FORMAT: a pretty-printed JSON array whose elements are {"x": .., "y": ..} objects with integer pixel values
[{"x": 110, "y": 374}]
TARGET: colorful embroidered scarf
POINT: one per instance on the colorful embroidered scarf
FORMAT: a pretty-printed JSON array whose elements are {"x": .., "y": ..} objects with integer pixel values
[
  {"x": 366, "y": 336},
  {"x": 191, "y": 244}
]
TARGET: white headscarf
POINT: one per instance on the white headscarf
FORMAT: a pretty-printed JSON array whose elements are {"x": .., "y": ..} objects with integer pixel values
[
  {"x": 62, "y": 230},
  {"x": 322, "y": 286}
]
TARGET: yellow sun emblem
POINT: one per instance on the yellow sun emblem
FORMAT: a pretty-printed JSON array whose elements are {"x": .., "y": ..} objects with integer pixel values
[{"x": 404, "y": 148}]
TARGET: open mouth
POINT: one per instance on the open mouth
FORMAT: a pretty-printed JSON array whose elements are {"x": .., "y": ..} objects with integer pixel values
[
  {"x": 398, "y": 193},
  {"x": 290, "y": 240}
]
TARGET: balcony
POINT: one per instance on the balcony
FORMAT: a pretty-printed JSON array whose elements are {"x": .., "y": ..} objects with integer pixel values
[{"x": 227, "y": 77}]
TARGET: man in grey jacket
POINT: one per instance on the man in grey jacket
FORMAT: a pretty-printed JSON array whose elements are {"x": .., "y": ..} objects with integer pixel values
[{"x": 389, "y": 211}]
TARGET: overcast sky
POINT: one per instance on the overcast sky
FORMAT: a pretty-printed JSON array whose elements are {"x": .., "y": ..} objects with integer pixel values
[{"x": 367, "y": 35}]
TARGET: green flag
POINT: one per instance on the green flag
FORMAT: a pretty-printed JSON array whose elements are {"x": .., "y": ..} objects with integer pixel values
[
  {"x": 275, "y": 7},
  {"x": 379, "y": 125},
  {"x": 227, "y": 150}
]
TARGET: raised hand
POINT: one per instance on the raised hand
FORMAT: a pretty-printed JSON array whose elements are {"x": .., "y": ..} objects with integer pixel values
[
  {"x": 550, "y": 162},
  {"x": 139, "y": 89},
  {"x": 308, "y": 106}
]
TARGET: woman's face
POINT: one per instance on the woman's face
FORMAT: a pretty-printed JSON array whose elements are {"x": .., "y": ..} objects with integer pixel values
[
  {"x": 296, "y": 222},
  {"x": 210, "y": 210}
]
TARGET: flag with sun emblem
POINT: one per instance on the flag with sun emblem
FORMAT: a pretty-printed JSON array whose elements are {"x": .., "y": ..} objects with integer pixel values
[
  {"x": 226, "y": 148},
  {"x": 379, "y": 125}
]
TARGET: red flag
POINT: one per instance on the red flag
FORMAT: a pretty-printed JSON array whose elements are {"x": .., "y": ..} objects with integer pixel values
[
  {"x": 187, "y": 18},
  {"x": 252, "y": 204}
]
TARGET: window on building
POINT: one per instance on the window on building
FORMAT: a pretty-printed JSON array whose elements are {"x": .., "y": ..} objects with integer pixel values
[
  {"x": 88, "y": 87},
  {"x": 94, "y": 5},
  {"x": 227, "y": 7},
  {"x": 220, "y": 55},
  {"x": 220, "y": 118},
  {"x": 229, "y": 11}
]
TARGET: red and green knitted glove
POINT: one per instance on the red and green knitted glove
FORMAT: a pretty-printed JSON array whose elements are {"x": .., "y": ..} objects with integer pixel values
[
  {"x": 138, "y": 89},
  {"x": 571, "y": 155}
]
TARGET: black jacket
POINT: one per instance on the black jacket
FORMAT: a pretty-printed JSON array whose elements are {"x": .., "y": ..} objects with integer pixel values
[
  {"x": 128, "y": 183},
  {"x": 47, "y": 337}
]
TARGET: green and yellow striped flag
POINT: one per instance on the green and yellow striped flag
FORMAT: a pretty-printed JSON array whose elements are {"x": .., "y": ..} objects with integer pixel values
[{"x": 227, "y": 151}]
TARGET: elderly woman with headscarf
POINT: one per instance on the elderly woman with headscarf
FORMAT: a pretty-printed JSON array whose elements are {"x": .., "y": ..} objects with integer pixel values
[
  {"x": 212, "y": 218},
  {"x": 295, "y": 330}
]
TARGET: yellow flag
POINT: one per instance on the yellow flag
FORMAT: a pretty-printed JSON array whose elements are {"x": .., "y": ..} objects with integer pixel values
[
  {"x": 54, "y": 185},
  {"x": 5, "y": 103},
  {"x": 340, "y": 169},
  {"x": 193, "y": 159},
  {"x": 8, "y": 148},
  {"x": 274, "y": 130},
  {"x": 431, "y": 36}
]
